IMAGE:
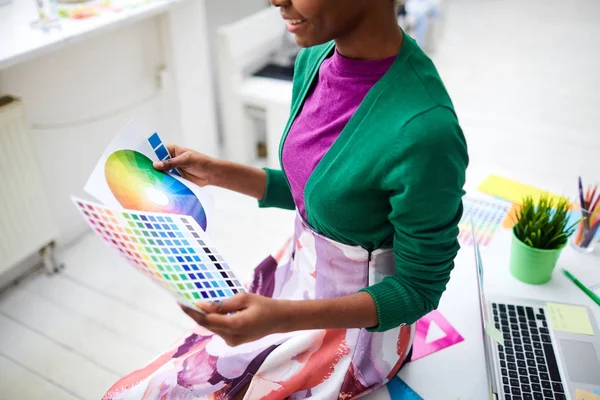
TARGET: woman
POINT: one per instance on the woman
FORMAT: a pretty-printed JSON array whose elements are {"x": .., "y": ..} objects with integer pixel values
[{"x": 373, "y": 160}]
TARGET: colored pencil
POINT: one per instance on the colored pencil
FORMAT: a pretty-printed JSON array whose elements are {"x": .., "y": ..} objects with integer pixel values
[
  {"x": 593, "y": 194},
  {"x": 581, "y": 198},
  {"x": 590, "y": 235},
  {"x": 587, "y": 291},
  {"x": 595, "y": 204},
  {"x": 590, "y": 214},
  {"x": 584, "y": 210}
]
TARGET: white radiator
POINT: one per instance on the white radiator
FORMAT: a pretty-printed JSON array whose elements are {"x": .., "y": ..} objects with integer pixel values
[{"x": 26, "y": 222}]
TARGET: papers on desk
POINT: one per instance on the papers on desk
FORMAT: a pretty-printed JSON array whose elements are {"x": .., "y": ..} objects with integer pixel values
[
  {"x": 568, "y": 318},
  {"x": 585, "y": 395},
  {"x": 512, "y": 191},
  {"x": 487, "y": 215}
]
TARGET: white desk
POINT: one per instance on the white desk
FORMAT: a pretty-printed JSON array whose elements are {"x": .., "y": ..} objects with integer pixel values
[
  {"x": 458, "y": 372},
  {"x": 20, "y": 42}
]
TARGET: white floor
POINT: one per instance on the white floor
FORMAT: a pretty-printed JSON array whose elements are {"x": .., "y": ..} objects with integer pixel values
[{"x": 523, "y": 76}]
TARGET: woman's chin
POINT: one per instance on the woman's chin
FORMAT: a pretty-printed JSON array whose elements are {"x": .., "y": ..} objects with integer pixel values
[{"x": 305, "y": 41}]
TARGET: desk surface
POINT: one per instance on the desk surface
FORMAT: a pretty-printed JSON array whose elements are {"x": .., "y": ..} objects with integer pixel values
[
  {"x": 19, "y": 41},
  {"x": 458, "y": 372}
]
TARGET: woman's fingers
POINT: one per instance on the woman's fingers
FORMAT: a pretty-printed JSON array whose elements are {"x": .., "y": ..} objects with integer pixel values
[
  {"x": 197, "y": 316},
  {"x": 232, "y": 304},
  {"x": 216, "y": 323},
  {"x": 174, "y": 150},
  {"x": 181, "y": 161}
]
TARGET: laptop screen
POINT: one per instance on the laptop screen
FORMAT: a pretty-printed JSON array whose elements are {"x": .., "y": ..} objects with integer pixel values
[{"x": 483, "y": 310}]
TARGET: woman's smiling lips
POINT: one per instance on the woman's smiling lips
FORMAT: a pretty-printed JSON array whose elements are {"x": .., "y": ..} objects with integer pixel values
[{"x": 293, "y": 24}]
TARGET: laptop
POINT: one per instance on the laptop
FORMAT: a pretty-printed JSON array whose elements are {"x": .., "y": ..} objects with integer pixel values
[{"x": 536, "y": 362}]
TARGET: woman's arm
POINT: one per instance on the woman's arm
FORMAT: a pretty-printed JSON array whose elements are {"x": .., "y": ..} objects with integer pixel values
[
  {"x": 353, "y": 311},
  {"x": 247, "y": 317},
  {"x": 268, "y": 186},
  {"x": 240, "y": 178},
  {"x": 426, "y": 188}
]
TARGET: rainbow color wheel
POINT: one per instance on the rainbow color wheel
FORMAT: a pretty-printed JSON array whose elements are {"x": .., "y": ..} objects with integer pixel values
[{"x": 138, "y": 186}]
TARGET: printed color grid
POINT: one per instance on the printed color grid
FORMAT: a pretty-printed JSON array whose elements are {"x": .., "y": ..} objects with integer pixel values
[
  {"x": 487, "y": 217},
  {"x": 171, "y": 249}
]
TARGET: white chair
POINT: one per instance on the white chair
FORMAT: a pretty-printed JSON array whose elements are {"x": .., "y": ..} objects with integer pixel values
[{"x": 243, "y": 47}]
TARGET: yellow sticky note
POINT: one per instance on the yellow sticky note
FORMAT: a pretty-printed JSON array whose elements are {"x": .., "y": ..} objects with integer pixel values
[
  {"x": 585, "y": 395},
  {"x": 567, "y": 318},
  {"x": 494, "y": 333},
  {"x": 512, "y": 191}
]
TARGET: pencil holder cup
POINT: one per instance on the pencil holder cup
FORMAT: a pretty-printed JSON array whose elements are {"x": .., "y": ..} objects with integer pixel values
[
  {"x": 531, "y": 265},
  {"x": 586, "y": 235}
]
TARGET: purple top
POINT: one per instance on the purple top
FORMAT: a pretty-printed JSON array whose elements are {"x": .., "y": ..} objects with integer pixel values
[{"x": 342, "y": 85}]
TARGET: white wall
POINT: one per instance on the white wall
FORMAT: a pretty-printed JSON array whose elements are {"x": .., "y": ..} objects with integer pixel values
[
  {"x": 89, "y": 79},
  {"x": 526, "y": 89}
]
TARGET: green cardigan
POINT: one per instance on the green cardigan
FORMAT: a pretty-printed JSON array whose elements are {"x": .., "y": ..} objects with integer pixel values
[{"x": 392, "y": 179}]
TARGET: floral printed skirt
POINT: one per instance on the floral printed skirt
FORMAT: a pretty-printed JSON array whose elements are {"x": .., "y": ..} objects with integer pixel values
[{"x": 319, "y": 364}]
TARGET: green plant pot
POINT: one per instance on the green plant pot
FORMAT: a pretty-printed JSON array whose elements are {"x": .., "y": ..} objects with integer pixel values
[{"x": 531, "y": 265}]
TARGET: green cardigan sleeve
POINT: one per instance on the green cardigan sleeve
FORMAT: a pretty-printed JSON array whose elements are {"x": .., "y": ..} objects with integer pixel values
[
  {"x": 425, "y": 182},
  {"x": 277, "y": 191}
]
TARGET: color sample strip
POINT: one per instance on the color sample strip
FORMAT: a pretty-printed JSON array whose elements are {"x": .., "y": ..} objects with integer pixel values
[
  {"x": 170, "y": 249},
  {"x": 487, "y": 216},
  {"x": 160, "y": 150}
]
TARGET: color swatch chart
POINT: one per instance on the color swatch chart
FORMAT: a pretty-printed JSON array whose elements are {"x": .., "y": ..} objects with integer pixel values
[
  {"x": 487, "y": 218},
  {"x": 171, "y": 249}
]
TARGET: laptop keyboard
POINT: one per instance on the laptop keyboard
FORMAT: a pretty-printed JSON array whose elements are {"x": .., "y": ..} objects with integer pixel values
[{"x": 527, "y": 361}]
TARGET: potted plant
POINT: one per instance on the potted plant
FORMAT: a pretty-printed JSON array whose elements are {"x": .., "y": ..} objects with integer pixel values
[{"x": 539, "y": 236}]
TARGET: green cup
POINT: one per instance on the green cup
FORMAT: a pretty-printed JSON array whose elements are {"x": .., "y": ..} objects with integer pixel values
[{"x": 531, "y": 265}]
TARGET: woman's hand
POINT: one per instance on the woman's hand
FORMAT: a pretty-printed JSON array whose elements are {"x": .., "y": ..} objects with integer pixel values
[
  {"x": 194, "y": 166},
  {"x": 204, "y": 170},
  {"x": 254, "y": 317},
  {"x": 258, "y": 316}
]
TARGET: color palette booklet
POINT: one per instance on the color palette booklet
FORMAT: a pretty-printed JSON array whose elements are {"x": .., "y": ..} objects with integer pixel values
[{"x": 157, "y": 221}]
